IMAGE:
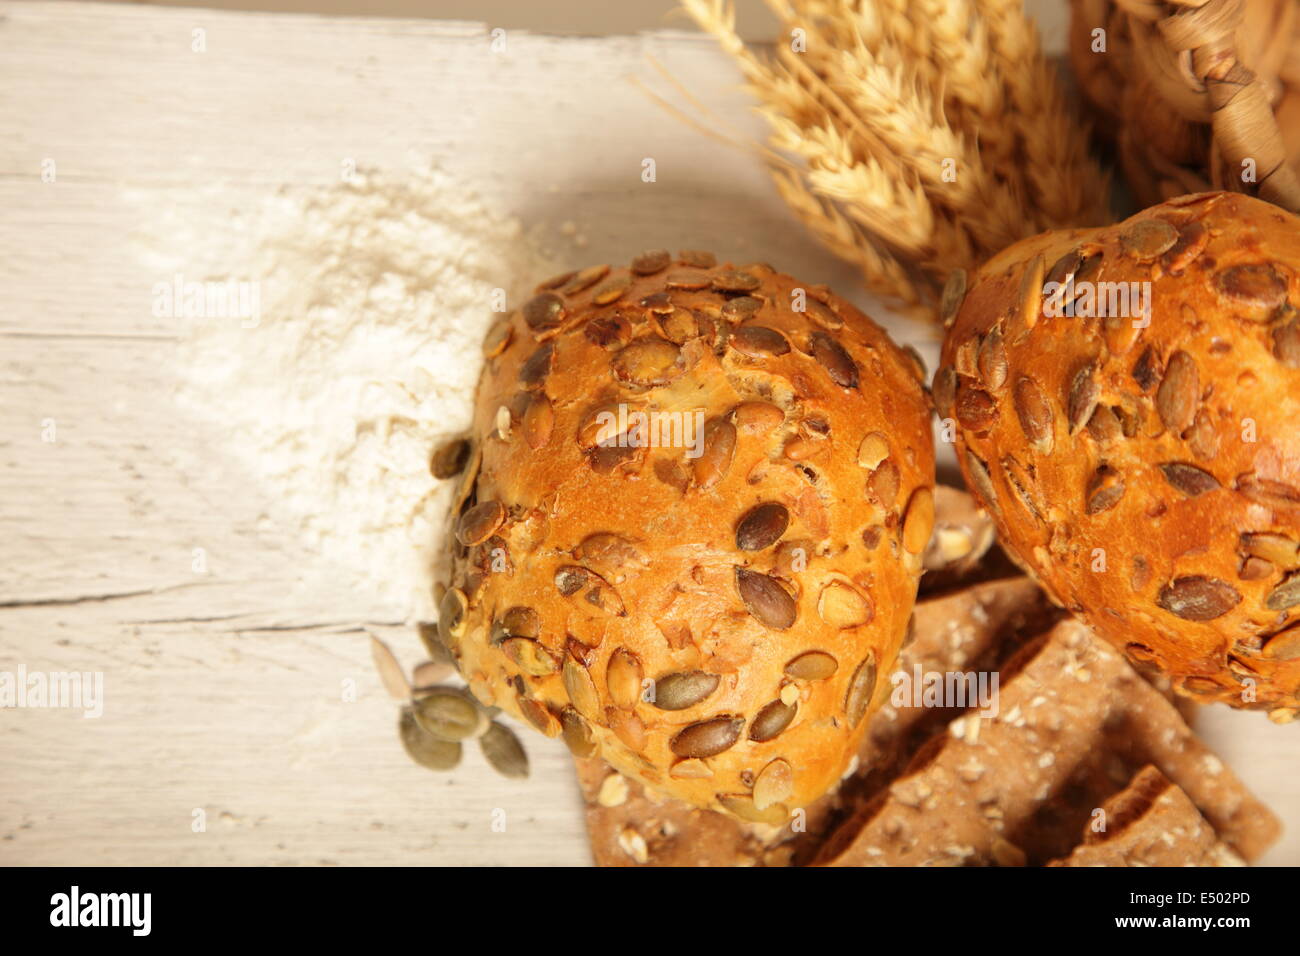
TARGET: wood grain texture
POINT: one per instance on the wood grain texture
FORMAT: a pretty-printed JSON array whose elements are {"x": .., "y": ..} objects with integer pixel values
[{"x": 224, "y": 689}]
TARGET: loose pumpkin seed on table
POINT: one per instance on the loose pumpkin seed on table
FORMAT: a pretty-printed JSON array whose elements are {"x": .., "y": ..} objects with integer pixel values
[
  {"x": 503, "y": 751},
  {"x": 390, "y": 671},
  {"x": 678, "y": 512},
  {"x": 424, "y": 748},
  {"x": 1147, "y": 469},
  {"x": 449, "y": 713}
]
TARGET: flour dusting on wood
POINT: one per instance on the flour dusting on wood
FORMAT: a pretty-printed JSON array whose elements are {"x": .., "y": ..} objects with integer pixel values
[{"x": 373, "y": 297}]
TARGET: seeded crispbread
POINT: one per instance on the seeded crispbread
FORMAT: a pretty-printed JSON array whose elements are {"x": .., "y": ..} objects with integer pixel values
[
  {"x": 1151, "y": 822},
  {"x": 1075, "y": 724}
]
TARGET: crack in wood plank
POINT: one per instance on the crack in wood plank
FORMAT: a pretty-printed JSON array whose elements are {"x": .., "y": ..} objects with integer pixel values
[
  {"x": 8, "y": 603},
  {"x": 90, "y": 336}
]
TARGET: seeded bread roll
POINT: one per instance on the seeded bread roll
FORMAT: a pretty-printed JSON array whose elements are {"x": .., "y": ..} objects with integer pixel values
[
  {"x": 713, "y": 624},
  {"x": 1148, "y": 475}
]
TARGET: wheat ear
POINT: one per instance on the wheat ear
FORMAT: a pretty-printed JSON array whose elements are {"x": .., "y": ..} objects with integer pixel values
[{"x": 1061, "y": 179}]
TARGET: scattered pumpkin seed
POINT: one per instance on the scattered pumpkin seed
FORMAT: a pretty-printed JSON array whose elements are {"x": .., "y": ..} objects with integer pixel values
[
  {"x": 1035, "y": 414},
  {"x": 764, "y": 598},
  {"x": 1179, "y": 392},
  {"x": 430, "y": 640},
  {"x": 679, "y": 326},
  {"x": 1084, "y": 395},
  {"x": 1277, "y": 495},
  {"x": 538, "y": 420},
  {"x": 973, "y": 407},
  {"x": 683, "y": 689},
  {"x": 627, "y": 727},
  {"x": 585, "y": 279},
  {"x": 660, "y": 303},
  {"x": 1188, "y": 479},
  {"x": 535, "y": 369},
  {"x": 707, "y": 738},
  {"x": 1255, "y": 290},
  {"x": 480, "y": 522},
  {"x": 425, "y": 749},
  {"x": 812, "y": 665},
  {"x": 581, "y": 689},
  {"x": 1192, "y": 239},
  {"x": 1148, "y": 239},
  {"x": 843, "y": 606},
  {"x": 647, "y": 362},
  {"x": 740, "y": 308},
  {"x": 757, "y": 341},
  {"x": 570, "y": 579},
  {"x": 832, "y": 357},
  {"x": 1198, "y": 598},
  {"x": 1286, "y": 342},
  {"x": 448, "y": 459},
  {"x": 530, "y": 656},
  {"x": 1275, "y": 548},
  {"x": 451, "y": 617},
  {"x": 623, "y": 677},
  {"x": 772, "y": 720},
  {"x": 692, "y": 768},
  {"x": 699, "y": 258},
  {"x": 757, "y": 417},
  {"x": 611, "y": 290},
  {"x": 992, "y": 360},
  {"x": 918, "y": 521},
  {"x": 498, "y": 338},
  {"x": 611, "y": 555},
  {"x": 578, "y": 735},
  {"x": 735, "y": 280},
  {"x": 980, "y": 478},
  {"x": 1030, "y": 301},
  {"x": 652, "y": 261},
  {"x": 857, "y": 700},
  {"x": 544, "y": 312},
  {"x": 430, "y": 673},
  {"x": 774, "y": 784},
  {"x": 1285, "y": 595},
  {"x": 715, "y": 458},
  {"x": 540, "y": 716},
  {"x": 688, "y": 279},
  {"x": 390, "y": 671},
  {"x": 1063, "y": 270},
  {"x": 873, "y": 449},
  {"x": 609, "y": 332},
  {"x": 556, "y": 281},
  {"x": 448, "y": 713},
  {"x": 1284, "y": 646},
  {"x": 762, "y": 526},
  {"x": 883, "y": 484},
  {"x": 1105, "y": 489},
  {"x": 503, "y": 751}
]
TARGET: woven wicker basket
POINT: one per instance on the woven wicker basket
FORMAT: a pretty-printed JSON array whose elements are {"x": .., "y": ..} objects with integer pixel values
[{"x": 1196, "y": 94}]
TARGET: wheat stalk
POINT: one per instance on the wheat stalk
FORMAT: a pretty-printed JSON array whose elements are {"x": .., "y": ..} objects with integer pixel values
[
  {"x": 882, "y": 272},
  {"x": 1063, "y": 182},
  {"x": 892, "y": 109},
  {"x": 960, "y": 51},
  {"x": 926, "y": 134}
]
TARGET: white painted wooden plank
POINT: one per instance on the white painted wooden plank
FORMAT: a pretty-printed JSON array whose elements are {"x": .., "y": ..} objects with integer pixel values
[{"x": 224, "y": 689}]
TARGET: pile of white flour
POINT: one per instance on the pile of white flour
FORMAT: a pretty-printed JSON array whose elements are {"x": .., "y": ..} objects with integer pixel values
[{"x": 374, "y": 296}]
